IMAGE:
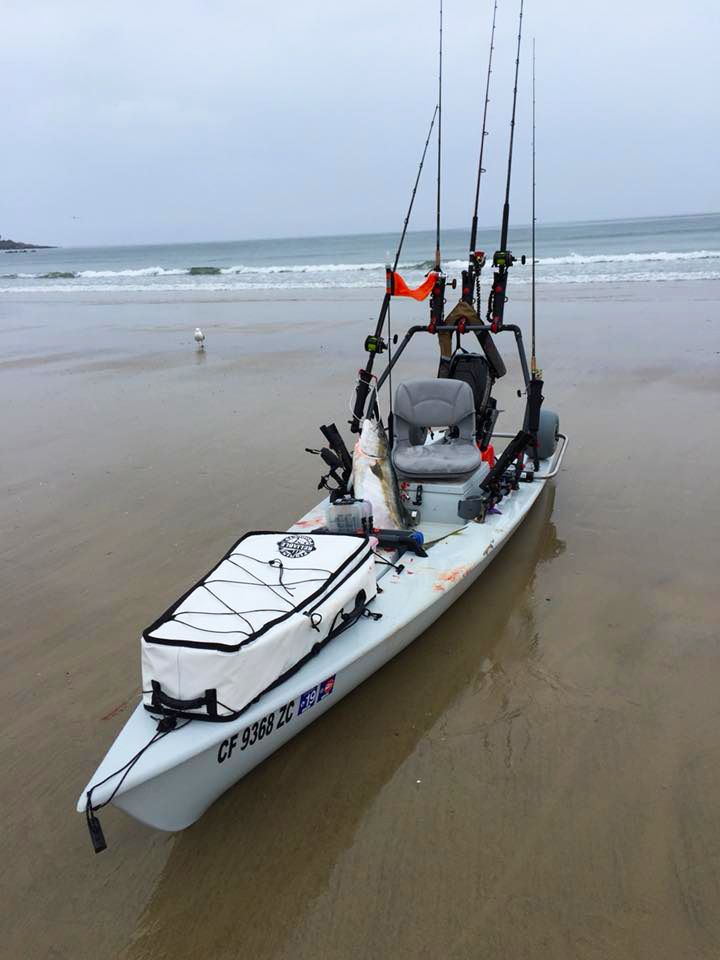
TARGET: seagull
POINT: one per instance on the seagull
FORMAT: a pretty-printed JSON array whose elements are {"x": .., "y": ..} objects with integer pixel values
[{"x": 199, "y": 338}]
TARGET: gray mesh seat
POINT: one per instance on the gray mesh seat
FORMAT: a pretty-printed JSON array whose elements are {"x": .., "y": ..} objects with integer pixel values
[{"x": 434, "y": 403}]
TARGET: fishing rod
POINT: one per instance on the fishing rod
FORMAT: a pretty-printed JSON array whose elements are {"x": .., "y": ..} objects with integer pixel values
[
  {"x": 503, "y": 259},
  {"x": 476, "y": 258},
  {"x": 414, "y": 191},
  {"x": 439, "y": 145},
  {"x": 535, "y": 385},
  {"x": 437, "y": 297},
  {"x": 374, "y": 344},
  {"x": 533, "y": 359}
]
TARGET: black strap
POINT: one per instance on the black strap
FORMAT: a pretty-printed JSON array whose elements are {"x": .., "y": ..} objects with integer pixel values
[
  {"x": 160, "y": 700},
  {"x": 398, "y": 567}
]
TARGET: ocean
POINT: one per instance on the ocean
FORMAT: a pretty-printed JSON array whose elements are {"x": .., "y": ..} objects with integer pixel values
[{"x": 682, "y": 248}]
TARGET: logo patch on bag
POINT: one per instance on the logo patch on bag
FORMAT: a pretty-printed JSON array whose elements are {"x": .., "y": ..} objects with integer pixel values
[{"x": 296, "y": 545}]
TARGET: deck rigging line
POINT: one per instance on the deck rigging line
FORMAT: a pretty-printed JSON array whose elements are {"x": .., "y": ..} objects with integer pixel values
[{"x": 255, "y": 581}]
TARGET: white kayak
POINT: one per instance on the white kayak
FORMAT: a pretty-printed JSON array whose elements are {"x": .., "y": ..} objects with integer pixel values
[{"x": 175, "y": 780}]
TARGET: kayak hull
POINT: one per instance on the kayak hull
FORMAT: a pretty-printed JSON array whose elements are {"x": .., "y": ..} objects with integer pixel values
[{"x": 175, "y": 781}]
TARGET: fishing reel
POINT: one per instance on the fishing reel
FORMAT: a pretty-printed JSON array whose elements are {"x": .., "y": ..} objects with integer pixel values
[
  {"x": 375, "y": 344},
  {"x": 503, "y": 259},
  {"x": 478, "y": 259}
]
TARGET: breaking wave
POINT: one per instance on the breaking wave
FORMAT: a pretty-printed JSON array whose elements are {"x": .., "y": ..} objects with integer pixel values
[
  {"x": 206, "y": 270},
  {"x": 210, "y": 270},
  {"x": 635, "y": 276},
  {"x": 212, "y": 285},
  {"x": 661, "y": 256},
  {"x": 572, "y": 268}
]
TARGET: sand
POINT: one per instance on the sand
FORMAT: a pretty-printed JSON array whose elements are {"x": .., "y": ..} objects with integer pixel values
[{"x": 535, "y": 777}]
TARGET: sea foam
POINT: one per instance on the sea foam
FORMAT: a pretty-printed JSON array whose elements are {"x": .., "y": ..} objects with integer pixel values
[{"x": 571, "y": 268}]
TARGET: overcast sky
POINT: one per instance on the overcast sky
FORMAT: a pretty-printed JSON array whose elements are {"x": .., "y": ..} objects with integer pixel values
[{"x": 223, "y": 119}]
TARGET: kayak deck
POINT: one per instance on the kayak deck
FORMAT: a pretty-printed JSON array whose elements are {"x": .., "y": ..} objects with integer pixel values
[{"x": 201, "y": 760}]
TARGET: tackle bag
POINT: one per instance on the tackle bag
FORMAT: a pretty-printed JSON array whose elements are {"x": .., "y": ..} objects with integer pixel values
[{"x": 272, "y": 602}]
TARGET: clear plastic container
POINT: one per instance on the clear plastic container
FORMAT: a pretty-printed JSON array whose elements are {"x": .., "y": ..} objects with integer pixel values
[{"x": 345, "y": 516}]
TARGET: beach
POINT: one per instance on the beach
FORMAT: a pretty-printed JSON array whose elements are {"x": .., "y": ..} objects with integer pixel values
[{"x": 536, "y": 776}]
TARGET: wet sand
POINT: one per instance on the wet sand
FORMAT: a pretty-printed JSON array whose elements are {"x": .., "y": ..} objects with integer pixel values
[{"x": 535, "y": 777}]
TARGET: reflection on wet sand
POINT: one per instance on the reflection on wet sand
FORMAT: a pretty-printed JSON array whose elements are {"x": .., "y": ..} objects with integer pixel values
[{"x": 267, "y": 849}]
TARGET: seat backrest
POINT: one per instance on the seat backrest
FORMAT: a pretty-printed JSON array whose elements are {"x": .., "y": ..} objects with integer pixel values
[{"x": 433, "y": 403}]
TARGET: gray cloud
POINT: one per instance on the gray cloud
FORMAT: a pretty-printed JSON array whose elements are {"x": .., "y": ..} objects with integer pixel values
[{"x": 162, "y": 121}]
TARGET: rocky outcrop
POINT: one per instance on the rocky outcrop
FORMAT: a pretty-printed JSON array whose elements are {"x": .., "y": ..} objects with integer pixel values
[{"x": 16, "y": 245}]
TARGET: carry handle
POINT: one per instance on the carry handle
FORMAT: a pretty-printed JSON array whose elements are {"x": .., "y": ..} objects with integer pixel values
[
  {"x": 161, "y": 700},
  {"x": 357, "y": 610}
]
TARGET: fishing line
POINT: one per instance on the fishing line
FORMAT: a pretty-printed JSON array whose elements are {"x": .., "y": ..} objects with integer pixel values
[
  {"x": 437, "y": 296},
  {"x": 506, "y": 207},
  {"x": 533, "y": 360},
  {"x": 439, "y": 143},
  {"x": 362, "y": 387},
  {"x": 414, "y": 191},
  {"x": 503, "y": 258},
  {"x": 471, "y": 277},
  {"x": 481, "y": 169}
]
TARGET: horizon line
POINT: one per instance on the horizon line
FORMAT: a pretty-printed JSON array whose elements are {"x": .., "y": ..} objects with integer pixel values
[{"x": 378, "y": 233}]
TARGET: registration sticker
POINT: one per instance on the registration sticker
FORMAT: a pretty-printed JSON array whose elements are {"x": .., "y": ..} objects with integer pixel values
[
  {"x": 326, "y": 687},
  {"x": 312, "y": 696},
  {"x": 307, "y": 700}
]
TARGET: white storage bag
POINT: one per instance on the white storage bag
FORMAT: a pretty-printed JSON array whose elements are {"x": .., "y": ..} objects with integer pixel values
[{"x": 272, "y": 601}]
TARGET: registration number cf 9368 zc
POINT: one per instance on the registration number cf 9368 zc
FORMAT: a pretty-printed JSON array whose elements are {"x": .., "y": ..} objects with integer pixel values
[
  {"x": 256, "y": 731},
  {"x": 274, "y": 720}
]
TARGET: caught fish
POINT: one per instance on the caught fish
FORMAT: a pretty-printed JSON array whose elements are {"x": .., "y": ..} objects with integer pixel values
[{"x": 373, "y": 477}]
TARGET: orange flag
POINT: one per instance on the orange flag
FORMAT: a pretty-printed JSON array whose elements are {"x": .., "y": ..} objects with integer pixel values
[{"x": 399, "y": 288}]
